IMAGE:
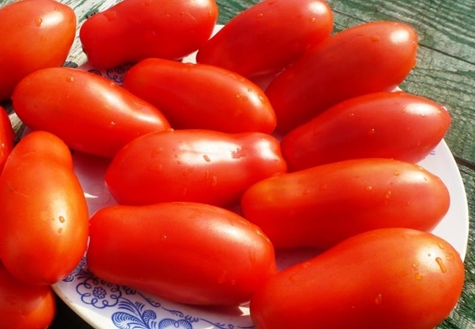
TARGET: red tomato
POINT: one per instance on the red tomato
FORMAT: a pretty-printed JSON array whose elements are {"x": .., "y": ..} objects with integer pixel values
[
  {"x": 35, "y": 34},
  {"x": 383, "y": 279},
  {"x": 324, "y": 205},
  {"x": 192, "y": 165},
  {"x": 367, "y": 58},
  {"x": 24, "y": 306},
  {"x": 268, "y": 36},
  {"x": 186, "y": 252},
  {"x": 88, "y": 112},
  {"x": 7, "y": 137},
  {"x": 44, "y": 228},
  {"x": 137, "y": 29},
  {"x": 394, "y": 125},
  {"x": 201, "y": 96}
]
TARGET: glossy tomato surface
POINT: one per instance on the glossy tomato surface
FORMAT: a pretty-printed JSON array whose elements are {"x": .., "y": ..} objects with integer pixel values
[
  {"x": 192, "y": 165},
  {"x": 44, "y": 228},
  {"x": 88, "y": 112},
  {"x": 200, "y": 96},
  {"x": 268, "y": 36},
  {"x": 394, "y": 125},
  {"x": 190, "y": 253},
  {"x": 23, "y": 306},
  {"x": 137, "y": 29},
  {"x": 35, "y": 34},
  {"x": 383, "y": 279},
  {"x": 366, "y": 58},
  {"x": 323, "y": 205}
]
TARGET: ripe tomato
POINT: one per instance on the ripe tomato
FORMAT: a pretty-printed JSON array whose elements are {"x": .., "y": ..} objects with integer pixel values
[
  {"x": 35, "y": 34},
  {"x": 201, "y": 96},
  {"x": 324, "y": 205},
  {"x": 24, "y": 306},
  {"x": 394, "y": 125},
  {"x": 88, "y": 112},
  {"x": 189, "y": 253},
  {"x": 7, "y": 136},
  {"x": 367, "y": 58},
  {"x": 383, "y": 279},
  {"x": 192, "y": 165},
  {"x": 44, "y": 228},
  {"x": 137, "y": 29},
  {"x": 268, "y": 36}
]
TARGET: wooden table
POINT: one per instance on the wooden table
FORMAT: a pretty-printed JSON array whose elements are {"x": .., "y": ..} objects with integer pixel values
[{"x": 445, "y": 72}]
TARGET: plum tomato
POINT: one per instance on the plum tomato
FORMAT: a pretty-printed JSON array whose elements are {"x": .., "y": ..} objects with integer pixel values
[
  {"x": 44, "y": 229},
  {"x": 395, "y": 125},
  {"x": 35, "y": 34},
  {"x": 192, "y": 165},
  {"x": 189, "y": 253},
  {"x": 323, "y": 205},
  {"x": 362, "y": 59},
  {"x": 392, "y": 278}
]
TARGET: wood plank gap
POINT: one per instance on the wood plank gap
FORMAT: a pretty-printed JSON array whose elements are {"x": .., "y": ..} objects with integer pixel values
[{"x": 465, "y": 163}]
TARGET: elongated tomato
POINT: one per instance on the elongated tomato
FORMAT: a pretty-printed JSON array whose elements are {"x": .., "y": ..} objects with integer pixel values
[
  {"x": 35, "y": 34},
  {"x": 186, "y": 252},
  {"x": 366, "y": 58},
  {"x": 44, "y": 228},
  {"x": 199, "y": 96},
  {"x": 268, "y": 36},
  {"x": 326, "y": 204},
  {"x": 88, "y": 112},
  {"x": 192, "y": 165},
  {"x": 133, "y": 30},
  {"x": 394, "y": 125},
  {"x": 383, "y": 279}
]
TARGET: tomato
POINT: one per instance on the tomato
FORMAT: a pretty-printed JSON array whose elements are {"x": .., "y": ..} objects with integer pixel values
[
  {"x": 386, "y": 124},
  {"x": 35, "y": 34},
  {"x": 192, "y": 165},
  {"x": 268, "y": 36},
  {"x": 88, "y": 112},
  {"x": 323, "y": 205},
  {"x": 44, "y": 227},
  {"x": 7, "y": 137},
  {"x": 24, "y": 306},
  {"x": 137, "y": 29},
  {"x": 189, "y": 253},
  {"x": 362, "y": 59},
  {"x": 383, "y": 279},
  {"x": 225, "y": 101}
]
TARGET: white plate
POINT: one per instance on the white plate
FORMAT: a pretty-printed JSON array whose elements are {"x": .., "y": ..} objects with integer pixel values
[{"x": 109, "y": 306}]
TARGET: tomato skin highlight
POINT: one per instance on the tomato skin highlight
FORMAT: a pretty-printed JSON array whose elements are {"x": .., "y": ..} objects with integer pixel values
[
  {"x": 23, "y": 306},
  {"x": 189, "y": 253},
  {"x": 88, "y": 112},
  {"x": 192, "y": 165},
  {"x": 323, "y": 205},
  {"x": 198, "y": 96},
  {"x": 394, "y": 125},
  {"x": 133, "y": 30},
  {"x": 362, "y": 59},
  {"x": 7, "y": 137},
  {"x": 45, "y": 29},
  {"x": 367, "y": 281},
  {"x": 44, "y": 228},
  {"x": 268, "y": 36}
]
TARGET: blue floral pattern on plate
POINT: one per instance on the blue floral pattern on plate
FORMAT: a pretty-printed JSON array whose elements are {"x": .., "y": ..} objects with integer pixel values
[{"x": 133, "y": 309}]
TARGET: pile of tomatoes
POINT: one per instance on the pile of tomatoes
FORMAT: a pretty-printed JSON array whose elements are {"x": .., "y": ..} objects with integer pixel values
[{"x": 283, "y": 135}]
